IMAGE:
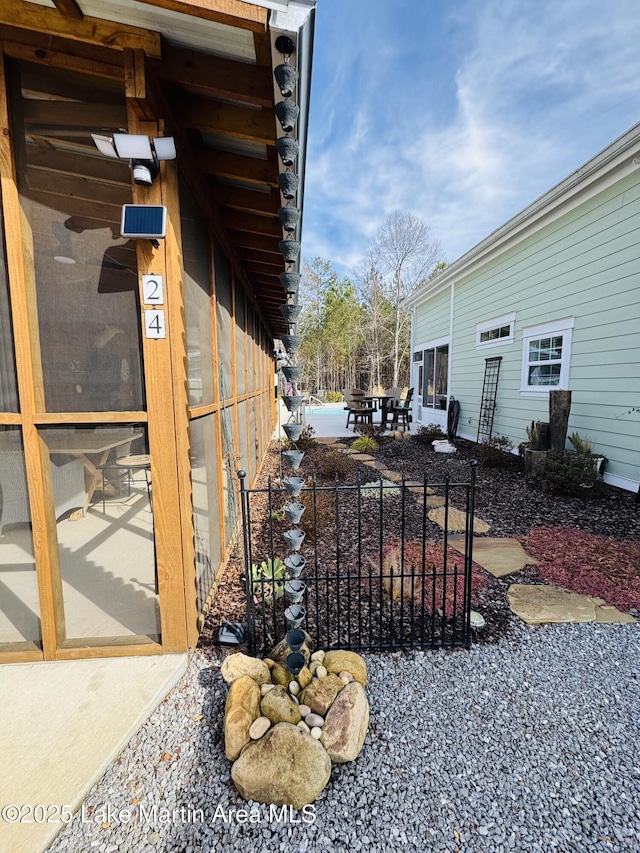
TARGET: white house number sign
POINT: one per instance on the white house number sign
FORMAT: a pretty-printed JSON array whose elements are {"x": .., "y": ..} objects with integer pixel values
[{"x": 153, "y": 294}]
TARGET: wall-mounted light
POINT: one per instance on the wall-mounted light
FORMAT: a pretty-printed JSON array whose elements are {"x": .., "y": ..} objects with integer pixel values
[{"x": 144, "y": 153}]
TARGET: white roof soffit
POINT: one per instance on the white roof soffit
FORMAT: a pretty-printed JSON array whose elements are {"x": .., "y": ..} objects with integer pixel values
[
  {"x": 584, "y": 181},
  {"x": 178, "y": 28}
]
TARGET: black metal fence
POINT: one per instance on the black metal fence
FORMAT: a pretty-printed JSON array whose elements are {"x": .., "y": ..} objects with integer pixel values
[{"x": 378, "y": 573}]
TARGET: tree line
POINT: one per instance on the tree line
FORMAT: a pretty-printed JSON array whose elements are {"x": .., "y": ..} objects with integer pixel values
[{"x": 355, "y": 331}]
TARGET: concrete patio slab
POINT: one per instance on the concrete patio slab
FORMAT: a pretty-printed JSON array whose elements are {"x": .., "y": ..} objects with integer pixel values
[
  {"x": 62, "y": 723},
  {"x": 499, "y": 557}
]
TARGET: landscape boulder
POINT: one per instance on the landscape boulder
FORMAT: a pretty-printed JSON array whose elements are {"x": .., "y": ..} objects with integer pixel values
[
  {"x": 285, "y": 767},
  {"x": 241, "y": 709}
]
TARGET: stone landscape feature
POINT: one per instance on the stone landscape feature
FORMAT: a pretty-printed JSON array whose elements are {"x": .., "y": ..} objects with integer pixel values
[{"x": 283, "y": 732}]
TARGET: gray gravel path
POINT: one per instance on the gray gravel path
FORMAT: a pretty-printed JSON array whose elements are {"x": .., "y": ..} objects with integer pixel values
[{"x": 529, "y": 745}]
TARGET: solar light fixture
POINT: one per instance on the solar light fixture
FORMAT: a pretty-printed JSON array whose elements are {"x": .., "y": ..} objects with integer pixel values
[{"x": 143, "y": 152}]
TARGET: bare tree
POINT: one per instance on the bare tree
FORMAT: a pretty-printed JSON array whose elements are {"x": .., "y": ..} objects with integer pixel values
[{"x": 405, "y": 255}]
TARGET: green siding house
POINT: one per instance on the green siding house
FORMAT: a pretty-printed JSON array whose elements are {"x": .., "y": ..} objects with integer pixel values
[{"x": 555, "y": 293}]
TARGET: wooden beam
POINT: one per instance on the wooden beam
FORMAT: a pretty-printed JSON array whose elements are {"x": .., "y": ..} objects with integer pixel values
[
  {"x": 76, "y": 188},
  {"x": 69, "y": 9},
  {"x": 254, "y": 241},
  {"x": 102, "y": 215},
  {"x": 45, "y": 159},
  {"x": 57, "y": 53},
  {"x": 15, "y": 13},
  {"x": 58, "y": 114},
  {"x": 215, "y": 76},
  {"x": 223, "y": 164},
  {"x": 234, "y": 13},
  {"x": 252, "y": 269},
  {"x": 254, "y": 224},
  {"x": 272, "y": 260},
  {"x": 262, "y": 47},
  {"x": 135, "y": 84},
  {"x": 250, "y": 202},
  {"x": 227, "y": 120}
]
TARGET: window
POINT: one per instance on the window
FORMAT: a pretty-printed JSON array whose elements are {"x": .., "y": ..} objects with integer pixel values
[
  {"x": 545, "y": 357},
  {"x": 433, "y": 376},
  {"x": 496, "y": 332}
]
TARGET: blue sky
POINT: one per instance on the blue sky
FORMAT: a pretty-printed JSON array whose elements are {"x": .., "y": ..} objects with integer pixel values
[{"x": 459, "y": 111}]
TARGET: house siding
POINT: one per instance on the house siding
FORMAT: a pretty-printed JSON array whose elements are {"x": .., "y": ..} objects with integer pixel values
[
  {"x": 585, "y": 265},
  {"x": 433, "y": 322}
]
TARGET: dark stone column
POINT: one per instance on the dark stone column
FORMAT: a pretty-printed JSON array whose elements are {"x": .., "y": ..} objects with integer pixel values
[{"x": 559, "y": 409}]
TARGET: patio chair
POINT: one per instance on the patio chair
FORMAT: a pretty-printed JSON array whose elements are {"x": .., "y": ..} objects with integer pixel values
[
  {"x": 402, "y": 412},
  {"x": 357, "y": 408}
]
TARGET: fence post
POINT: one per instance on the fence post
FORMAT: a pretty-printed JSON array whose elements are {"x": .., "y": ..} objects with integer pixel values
[
  {"x": 246, "y": 538},
  {"x": 468, "y": 555}
]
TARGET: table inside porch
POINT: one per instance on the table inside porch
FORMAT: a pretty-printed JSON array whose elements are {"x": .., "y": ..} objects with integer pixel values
[{"x": 84, "y": 444}]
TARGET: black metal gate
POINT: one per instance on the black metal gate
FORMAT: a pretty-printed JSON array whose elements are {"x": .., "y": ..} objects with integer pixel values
[{"x": 377, "y": 572}]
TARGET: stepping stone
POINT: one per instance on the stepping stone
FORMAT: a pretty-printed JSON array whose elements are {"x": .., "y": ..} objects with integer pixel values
[
  {"x": 391, "y": 475},
  {"x": 432, "y": 500},
  {"x": 417, "y": 488},
  {"x": 362, "y": 457},
  {"x": 456, "y": 520},
  {"x": 499, "y": 557},
  {"x": 607, "y": 615},
  {"x": 337, "y": 445},
  {"x": 381, "y": 466},
  {"x": 327, "y": 440}
]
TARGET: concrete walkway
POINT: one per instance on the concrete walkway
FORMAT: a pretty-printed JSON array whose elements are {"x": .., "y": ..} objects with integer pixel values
[{"x": 61, "y": 724}]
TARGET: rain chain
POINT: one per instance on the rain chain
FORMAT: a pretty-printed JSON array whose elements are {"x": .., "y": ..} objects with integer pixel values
[{"x": 287, "y": 112}]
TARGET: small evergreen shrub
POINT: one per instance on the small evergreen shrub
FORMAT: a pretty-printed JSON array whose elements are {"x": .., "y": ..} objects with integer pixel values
[
  {"x": 571, "y": 474},
  {"x": 373, "y": 490}
]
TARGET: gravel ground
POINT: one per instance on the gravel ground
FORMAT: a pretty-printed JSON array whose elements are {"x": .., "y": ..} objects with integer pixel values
[{"x": 527, "y": 745}]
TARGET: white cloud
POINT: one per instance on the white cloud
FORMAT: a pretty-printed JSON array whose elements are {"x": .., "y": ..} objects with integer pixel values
[{"x": 537, "y": 88}]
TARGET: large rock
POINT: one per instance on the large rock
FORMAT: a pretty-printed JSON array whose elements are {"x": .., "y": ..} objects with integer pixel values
[
  {"x": 346, "y": 725},
  {"x": 280, "y": 707},
  {"x": 280, "y": 652},
  {"x": 238, "y": 664},
  {"x": 285, "y": 767},
  {"x": 241, "y": 709},
  {"x": 339, "y": 661},
  {"x": 281, "y": 675},
  {"x": 320, "y": 694}
]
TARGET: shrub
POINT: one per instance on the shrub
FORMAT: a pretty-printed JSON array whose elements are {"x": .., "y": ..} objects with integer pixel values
[
  {"x": 571, "y": 474},
  {"x": 364, "y": 444},
  {"x": 305, "y": 442},
  {"x": 370, "y": 430},
  {"x": 333, "y": 397},
  {"x": 372, "y": 489},
  {"x": 325, "y": 512},
  {"x": 333, "y": 464},
  {"x": 588, "y": 563},
  {"x": 496, "y": 452},
  {"x": 430, "y": 432}
]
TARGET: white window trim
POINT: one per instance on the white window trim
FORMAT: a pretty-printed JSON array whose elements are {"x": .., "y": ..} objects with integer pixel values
[
  {"x": 496, "y": 323},
  {"x": 558, "y": 327}
]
